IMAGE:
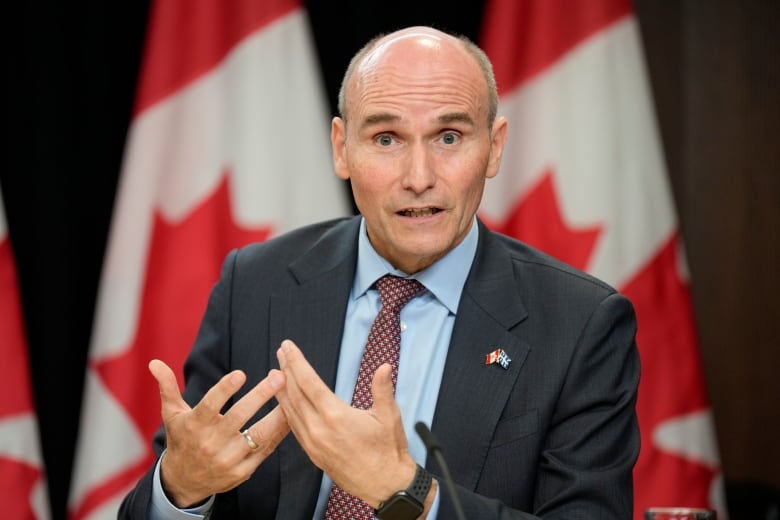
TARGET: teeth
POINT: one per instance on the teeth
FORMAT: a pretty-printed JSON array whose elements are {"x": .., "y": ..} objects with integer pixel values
[{"x": 427, "y": 212}]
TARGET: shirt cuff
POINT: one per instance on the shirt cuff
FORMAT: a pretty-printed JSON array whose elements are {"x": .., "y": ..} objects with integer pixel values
[{"x": 162, "y": 508}]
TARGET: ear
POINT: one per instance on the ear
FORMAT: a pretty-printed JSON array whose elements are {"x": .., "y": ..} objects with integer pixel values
[
  {"x": 338, "y": 142},
  {"x": 496, "y": 146}
]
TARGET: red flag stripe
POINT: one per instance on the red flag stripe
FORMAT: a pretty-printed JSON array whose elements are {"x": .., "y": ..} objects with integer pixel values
[
  {"x": 192, "y": 42},
  {"x": 536, "y": 35},
  {"x": 16, "y": 376},
  {"x": 23, "y": 486}
]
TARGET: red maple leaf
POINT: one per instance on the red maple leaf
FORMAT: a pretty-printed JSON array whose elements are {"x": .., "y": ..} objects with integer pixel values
[
  {"x": 183, "y": 264},
  {"x": 536, "y": 219}
]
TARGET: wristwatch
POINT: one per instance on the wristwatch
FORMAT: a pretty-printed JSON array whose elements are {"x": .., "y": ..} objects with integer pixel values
[{"x": 407, "y": 504}]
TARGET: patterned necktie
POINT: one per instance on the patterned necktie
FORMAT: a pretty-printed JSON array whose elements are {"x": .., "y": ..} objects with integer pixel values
[{"x": 383, "y": 346}]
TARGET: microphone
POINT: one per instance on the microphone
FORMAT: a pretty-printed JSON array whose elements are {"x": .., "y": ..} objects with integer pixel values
[{"x": 433, "y": 447}]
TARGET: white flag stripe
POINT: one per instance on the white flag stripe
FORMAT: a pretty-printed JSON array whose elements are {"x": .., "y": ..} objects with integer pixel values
[
  {"x": 104, "y": 455},
  {"x": 237, "y": 117},
  {"x": 637, "y": 211},
  {"x": 717, "y": 496},
  {"x": 3, "y": 225},
  {"x": 19, "y": 439}
]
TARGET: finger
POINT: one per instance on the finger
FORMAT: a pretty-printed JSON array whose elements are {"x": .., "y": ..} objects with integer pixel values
[
  {"x": 296, "y": 397},
  {"x": 210, "y": 406},
  {"x": 253, "y": 400},
  {"x": 171, "y": 401},
  {"x": 302, "y": 374},
  {"x": 303, "y": 416},
  {"x": 291, "y": 393},
  {"x": 268, "y": 432}
]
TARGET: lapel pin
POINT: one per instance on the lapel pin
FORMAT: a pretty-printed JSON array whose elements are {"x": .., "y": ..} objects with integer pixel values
[{"x": 498, "y": 356}]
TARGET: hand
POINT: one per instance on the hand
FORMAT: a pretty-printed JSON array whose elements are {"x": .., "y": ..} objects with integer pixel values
[
  {"x": 365, "y": 452},
  {"x": 206, "y": 452}
]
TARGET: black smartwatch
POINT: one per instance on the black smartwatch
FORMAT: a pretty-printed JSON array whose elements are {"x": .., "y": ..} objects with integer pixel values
[{"x": 407, "y": 504}]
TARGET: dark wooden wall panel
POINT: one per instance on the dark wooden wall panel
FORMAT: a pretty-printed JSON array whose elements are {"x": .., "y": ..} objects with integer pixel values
[{"x": 714, "y": 70}]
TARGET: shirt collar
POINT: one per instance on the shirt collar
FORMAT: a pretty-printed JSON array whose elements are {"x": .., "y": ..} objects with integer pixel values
[{"x": 444, "y": 278}]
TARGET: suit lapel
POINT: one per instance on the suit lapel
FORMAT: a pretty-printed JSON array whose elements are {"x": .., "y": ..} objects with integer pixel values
[
  {"x": 490, "y": 306},
  {"x": 311, "y": 313}
]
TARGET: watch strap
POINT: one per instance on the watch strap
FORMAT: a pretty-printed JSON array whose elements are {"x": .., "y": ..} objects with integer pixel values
[
  {"x": 420, "y": 485},
  {"x": 416, "y": 493}
]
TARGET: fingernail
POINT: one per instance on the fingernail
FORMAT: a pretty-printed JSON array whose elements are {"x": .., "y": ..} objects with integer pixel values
[
  {"x": 275, "y": 380},
  {"x": 235, "y": 379}
]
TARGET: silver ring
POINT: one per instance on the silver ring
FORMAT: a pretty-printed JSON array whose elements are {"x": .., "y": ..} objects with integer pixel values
[{"x": 249, "y": 440}]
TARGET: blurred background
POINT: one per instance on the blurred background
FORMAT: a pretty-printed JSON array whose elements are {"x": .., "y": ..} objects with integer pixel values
[{"x": 715, "y": 78}]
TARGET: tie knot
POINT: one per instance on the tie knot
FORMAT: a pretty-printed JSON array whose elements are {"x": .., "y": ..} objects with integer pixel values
[{"x": 395, "y": 292}]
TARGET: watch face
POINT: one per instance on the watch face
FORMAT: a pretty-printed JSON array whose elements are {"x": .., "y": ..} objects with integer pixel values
[{"x": 400, "y": 507}]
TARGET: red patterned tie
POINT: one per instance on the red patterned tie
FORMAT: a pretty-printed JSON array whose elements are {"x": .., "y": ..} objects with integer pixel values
[{"x": 383, "y": 346}]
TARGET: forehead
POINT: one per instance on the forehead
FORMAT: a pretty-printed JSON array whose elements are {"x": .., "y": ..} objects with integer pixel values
[{"x": 417, "y": 73}]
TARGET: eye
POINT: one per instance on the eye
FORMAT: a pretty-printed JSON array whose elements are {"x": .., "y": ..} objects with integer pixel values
[
  {"x": 385, "y": 140},
  {"x": 450, "y": 138}
]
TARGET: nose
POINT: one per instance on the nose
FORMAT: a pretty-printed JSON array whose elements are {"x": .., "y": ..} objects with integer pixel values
[{"x": 420, "y": 169}]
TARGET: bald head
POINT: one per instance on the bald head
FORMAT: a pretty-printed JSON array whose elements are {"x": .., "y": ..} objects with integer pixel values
[{"x": 414, "y": 50}]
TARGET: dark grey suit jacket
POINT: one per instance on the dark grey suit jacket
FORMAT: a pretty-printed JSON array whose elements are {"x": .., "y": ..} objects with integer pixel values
[{"x": 554, "y": 436}]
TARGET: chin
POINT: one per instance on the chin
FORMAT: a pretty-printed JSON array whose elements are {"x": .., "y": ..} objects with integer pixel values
[{"x": 425, "y": 256}]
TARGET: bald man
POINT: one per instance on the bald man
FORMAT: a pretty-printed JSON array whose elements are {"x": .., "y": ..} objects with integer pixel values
[{"x": 525, "y": 368}]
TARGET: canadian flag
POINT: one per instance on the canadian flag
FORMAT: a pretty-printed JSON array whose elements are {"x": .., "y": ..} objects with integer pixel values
[
  {"x": 23, "y": 488},
  {"x": 228, "y": 144},
  {"x": 584, "y": 178}
]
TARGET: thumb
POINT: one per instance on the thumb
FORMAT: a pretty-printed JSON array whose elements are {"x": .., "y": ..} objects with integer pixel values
[
  {"x": 382, "y": 388},
  {"x": 171, "y": 402}
]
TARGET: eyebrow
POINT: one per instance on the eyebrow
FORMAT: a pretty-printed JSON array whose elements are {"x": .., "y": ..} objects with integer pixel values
[
  {"x": 385, "y": 117},
  {"x": 456, "y": 117},
  {"x": 375, "y": 119}
]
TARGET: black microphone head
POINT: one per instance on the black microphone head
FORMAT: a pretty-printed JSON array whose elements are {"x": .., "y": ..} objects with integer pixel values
[{"x": 430, "y": 441}]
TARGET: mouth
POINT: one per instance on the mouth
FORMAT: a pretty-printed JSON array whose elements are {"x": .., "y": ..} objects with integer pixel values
[{"x": 419, "y": 212}]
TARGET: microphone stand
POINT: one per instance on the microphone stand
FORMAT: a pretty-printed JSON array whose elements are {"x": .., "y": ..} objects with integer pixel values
[{"x": 433, "y": 447}]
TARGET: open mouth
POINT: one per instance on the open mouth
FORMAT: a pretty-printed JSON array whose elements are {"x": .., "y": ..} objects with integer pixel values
[{"x": 421, "y": 212}]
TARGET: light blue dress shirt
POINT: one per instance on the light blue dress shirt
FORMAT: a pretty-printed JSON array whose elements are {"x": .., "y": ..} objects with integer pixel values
[{"x": 426, "y": 325}]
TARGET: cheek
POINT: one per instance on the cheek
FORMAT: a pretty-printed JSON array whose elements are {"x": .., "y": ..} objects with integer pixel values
[
  {"x": 368, "y": 187},
  {"x": 471, "y": 185},
  {"x": 476, "y": 187},
  {"x": 369, "y": 178}
]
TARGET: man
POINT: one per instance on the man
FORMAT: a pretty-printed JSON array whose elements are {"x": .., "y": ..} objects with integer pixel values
[{"x": 526, "y": 369}]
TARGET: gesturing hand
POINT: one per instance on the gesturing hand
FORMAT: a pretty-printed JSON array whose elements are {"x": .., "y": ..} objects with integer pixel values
[
  {"x": 206, "y": 451},
  {"x": 365, "y": 452}
]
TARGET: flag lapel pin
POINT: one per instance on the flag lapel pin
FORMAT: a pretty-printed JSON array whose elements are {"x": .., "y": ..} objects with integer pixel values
[{"x": 498, "y": 356}]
